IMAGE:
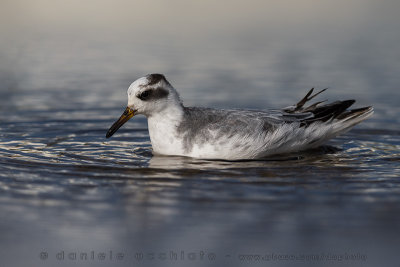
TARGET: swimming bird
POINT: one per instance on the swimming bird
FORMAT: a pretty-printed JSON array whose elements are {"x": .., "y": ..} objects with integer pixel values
[{"x": 233, "y": 134}]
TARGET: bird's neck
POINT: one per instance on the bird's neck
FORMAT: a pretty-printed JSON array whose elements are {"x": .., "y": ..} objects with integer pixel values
[{"x": 173, "y": 113}]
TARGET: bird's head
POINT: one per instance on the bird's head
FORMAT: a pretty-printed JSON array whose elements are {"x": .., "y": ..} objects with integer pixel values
[{"x": 148, "y": 95}]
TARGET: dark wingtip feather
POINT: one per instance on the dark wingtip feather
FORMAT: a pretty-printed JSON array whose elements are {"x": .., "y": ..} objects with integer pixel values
[
  {"x": 307, "y": 98},
  {"x": 313, "y": 106},
  {"x": 329, "y": 111},
  {"x": 323, "y": 113},
  {"x": 355, "y": 112}
]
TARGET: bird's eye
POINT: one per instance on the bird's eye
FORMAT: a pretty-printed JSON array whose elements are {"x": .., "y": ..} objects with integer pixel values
[{"x": 145, "y": 95}]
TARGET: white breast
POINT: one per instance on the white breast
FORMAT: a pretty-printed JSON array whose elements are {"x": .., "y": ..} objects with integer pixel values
[{"x": 162, "y": 131}]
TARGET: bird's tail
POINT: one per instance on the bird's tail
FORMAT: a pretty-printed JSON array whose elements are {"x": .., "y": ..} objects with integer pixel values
[
  {"x": 335, "y": 116},
  {"x": 337, "y": 110}
]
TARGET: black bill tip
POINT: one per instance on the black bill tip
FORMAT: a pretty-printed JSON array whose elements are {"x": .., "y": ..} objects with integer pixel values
[{"x": 128, "y": 113}]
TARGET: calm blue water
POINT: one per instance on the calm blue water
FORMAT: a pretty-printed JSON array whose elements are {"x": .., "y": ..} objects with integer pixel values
[{"x": 65, "y": 190}]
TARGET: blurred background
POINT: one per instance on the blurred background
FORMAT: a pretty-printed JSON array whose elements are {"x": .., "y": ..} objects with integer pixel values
[
  {"x": 237, "y": 53},
  {"x": 64, "y": 70}
]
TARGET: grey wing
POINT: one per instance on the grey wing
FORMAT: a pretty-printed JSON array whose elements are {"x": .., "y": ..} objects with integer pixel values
[
  {"x": 202, "y": 125},
  {"x": 294, "y": 127},
  {"x": 247, "y": 133},
  {"x": 248, "y": 120},
  {"x": 267, "y": 119},
  {"x": 212, "y": 124}
]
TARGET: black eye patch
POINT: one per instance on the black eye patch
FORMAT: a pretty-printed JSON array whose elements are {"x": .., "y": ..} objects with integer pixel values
[
  {"x": 145, "y": 95},
  {"x": 153, "y": 93}
]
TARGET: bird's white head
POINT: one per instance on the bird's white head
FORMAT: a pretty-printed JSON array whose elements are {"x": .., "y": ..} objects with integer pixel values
[
  {"x": 151, "y": 94},
  {"x": 148, "y": 95}
]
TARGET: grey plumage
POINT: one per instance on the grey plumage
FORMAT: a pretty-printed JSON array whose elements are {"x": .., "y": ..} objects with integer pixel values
[
  {"x": 217, "y": 126},
  {"x": 199, "y": 124}
]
